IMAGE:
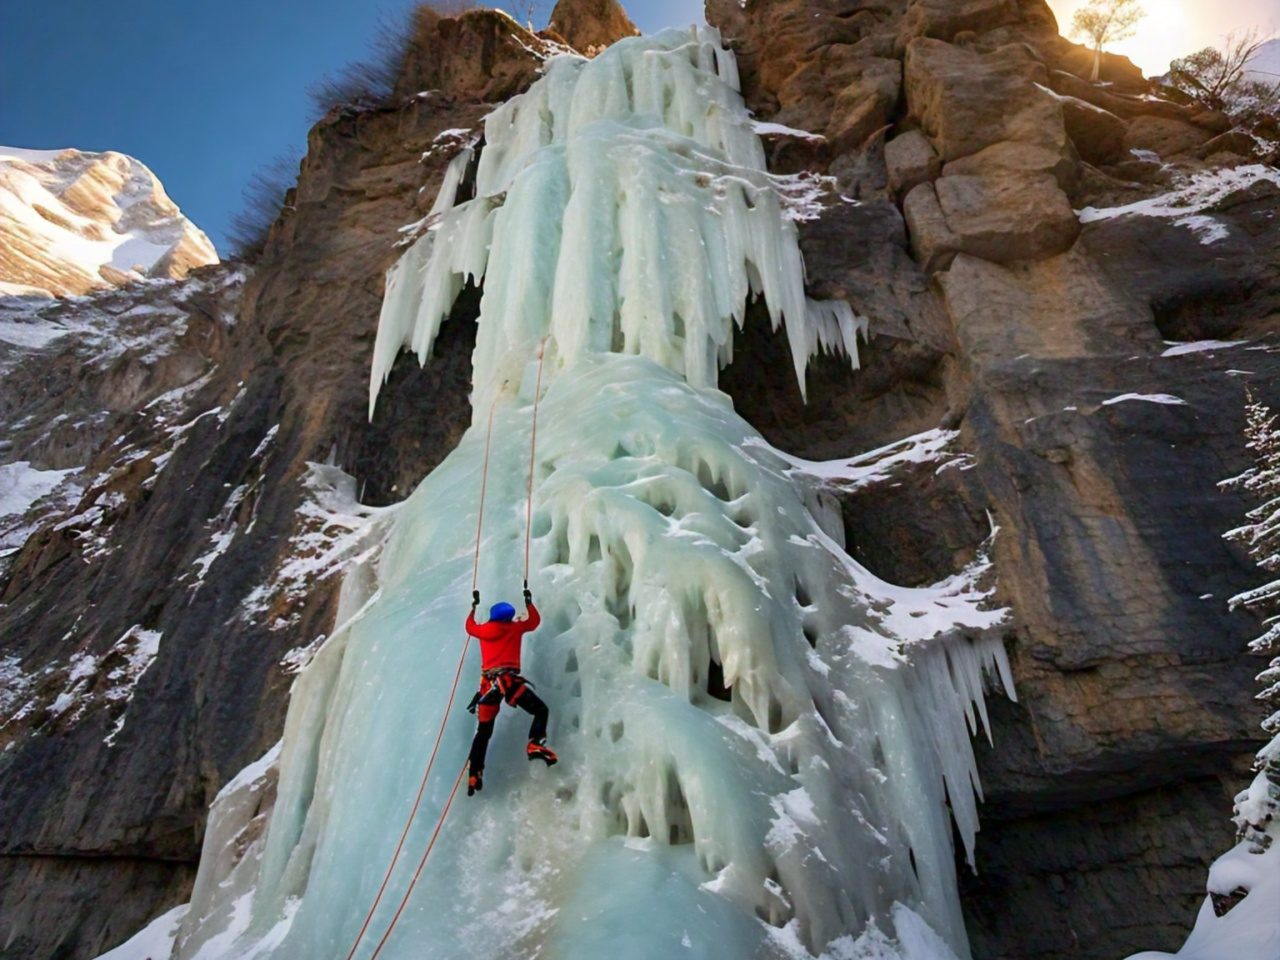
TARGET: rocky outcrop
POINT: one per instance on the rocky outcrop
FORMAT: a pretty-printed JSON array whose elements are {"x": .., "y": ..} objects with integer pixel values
[
  {"x": 961, "y": 139},
  {"x": 591, "y": 25},
  {"x": 483, "y": 56},
  {"x": 72, "y": 222},
  {"x": 997, "y": 215}
]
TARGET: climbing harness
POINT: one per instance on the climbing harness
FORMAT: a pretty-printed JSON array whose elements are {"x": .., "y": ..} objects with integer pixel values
[{"x": 435, "y": 749}]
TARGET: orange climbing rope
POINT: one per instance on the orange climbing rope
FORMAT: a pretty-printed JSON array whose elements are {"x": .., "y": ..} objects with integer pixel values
[
  {"x": 453, "y": 691},
  {"x": 475, "y": 572},
  {"x": 484, "y": 485},
  {"x": 421, "y": 863},
  {"x": 533, "y": 448}
]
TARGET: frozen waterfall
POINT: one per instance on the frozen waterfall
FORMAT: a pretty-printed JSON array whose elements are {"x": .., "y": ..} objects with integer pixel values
[{"x": 761, "y": 755}]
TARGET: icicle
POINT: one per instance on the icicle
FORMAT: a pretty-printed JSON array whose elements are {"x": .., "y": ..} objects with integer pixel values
[{"x": 645, "y": 185}]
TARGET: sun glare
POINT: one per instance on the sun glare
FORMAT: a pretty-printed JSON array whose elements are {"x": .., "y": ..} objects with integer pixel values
[{"x": 1165, "y": 33}]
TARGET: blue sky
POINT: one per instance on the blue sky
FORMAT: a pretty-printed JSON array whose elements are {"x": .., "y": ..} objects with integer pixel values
[{"x": 203, "y": 93}]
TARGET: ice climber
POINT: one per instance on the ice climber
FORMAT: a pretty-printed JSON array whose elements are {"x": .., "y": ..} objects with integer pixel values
[{"x": 500, "y": 679}]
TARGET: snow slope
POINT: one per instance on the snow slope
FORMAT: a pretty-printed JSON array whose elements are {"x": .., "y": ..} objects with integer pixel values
[
  {"x": 73, "y": 221},
  {"x": 1265, "y": 64},
  {"x": 1246, "y": 882}
]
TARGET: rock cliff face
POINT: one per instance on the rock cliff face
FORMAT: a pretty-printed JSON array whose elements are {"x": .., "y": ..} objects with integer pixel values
[
  {"x": 74, "y": 221},
  {"x": 156, "y": 600},
  {"x": 591, "y": 25},
  {"x": 973, "y": 142}
]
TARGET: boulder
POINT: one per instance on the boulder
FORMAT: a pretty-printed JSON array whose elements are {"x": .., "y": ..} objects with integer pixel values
[
  {"x": 1118, "y": 72},
  {"x": 943, "y": 19},
  {"x": 966, "y": 101},
  {"x": 844, "y": 96},
  {"x": 1128, "y": 107},
  {"x": 1001, "y": 217},
  {"x": 1013, "y": 156},
  {"x": 911, "y": 161},
  {"x": 591, "y": 25},
  {"x": 1163, "y": 136},
  {"x": 1098, "y": 135},
  {"x": 866, "y": 105},
  {"x": 933, "y": 242},
  {"x": 1233, "y": 142}
]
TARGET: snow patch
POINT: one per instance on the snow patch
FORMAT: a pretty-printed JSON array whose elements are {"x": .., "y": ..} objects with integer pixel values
[
  {"x": 879, "y": 465},
  {"x": 334, "y": 530},
  {"x": 84, "y": 686},
  {"x": 21, "y": 485},
  {"x": 1185, "y": 205},
  {"x": 1209, "y": 229},
  {"x": 1251, "y": 928},
  {"x": 252, "y": 775},
  {"x": 764, "y": 129},
  {"x": 154, "y": 941},
  {"x": 1200, "y": 346},
  {"x": 1161, "y": 398},
  {"x": 138, "y": 647}
]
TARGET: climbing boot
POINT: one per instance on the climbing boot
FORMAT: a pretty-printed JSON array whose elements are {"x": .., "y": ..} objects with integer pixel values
[
  {"x": 475, "y": 782},
  {"x": 537, "y": 750}
]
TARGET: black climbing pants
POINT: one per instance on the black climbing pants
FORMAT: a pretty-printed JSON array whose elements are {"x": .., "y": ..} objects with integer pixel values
[{"x": 527, "y": 701}]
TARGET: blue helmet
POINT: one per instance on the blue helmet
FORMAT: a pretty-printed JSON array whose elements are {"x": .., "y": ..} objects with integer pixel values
[{"x": 502, "y": 612}]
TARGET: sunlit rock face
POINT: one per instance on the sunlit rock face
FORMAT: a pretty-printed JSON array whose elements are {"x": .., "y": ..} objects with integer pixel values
[{"x": 72, "y": 221}]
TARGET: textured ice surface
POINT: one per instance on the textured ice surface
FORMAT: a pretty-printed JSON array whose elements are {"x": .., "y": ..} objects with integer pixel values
[
  {"x": 622, "y": 204},
  {"x": 759, "y": 739}
]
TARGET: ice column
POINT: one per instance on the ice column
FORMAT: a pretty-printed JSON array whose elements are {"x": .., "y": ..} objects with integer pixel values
[{"x": 758, "y": 754}]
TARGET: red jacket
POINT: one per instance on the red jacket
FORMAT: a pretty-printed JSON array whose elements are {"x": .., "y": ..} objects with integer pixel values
[{"x": 500, "y": 639}]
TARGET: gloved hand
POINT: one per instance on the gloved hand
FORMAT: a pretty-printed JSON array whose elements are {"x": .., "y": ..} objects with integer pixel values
[
  {"x": 528, "y": 597},
  {"x": 475, "y": 599}
]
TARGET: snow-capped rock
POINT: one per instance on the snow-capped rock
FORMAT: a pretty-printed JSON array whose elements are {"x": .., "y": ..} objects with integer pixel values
[{"x": 72, "y": 221}]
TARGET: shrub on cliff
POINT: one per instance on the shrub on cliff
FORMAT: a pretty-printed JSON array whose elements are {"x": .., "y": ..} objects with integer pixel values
[
  {"x": 369, "y": 83},
  {"x": 266, "y": 195}
]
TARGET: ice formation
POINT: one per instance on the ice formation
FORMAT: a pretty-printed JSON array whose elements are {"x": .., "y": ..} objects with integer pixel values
[
  {"x": 622, "y": 204},
  {"x": 762, "y": 754}
]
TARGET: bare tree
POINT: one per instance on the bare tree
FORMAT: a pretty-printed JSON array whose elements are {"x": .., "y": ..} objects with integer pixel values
[
  {"x": 1220, "y": 80},
  {"x": 523, "y": 11},
  {"x": 1102, "y": 22}
]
